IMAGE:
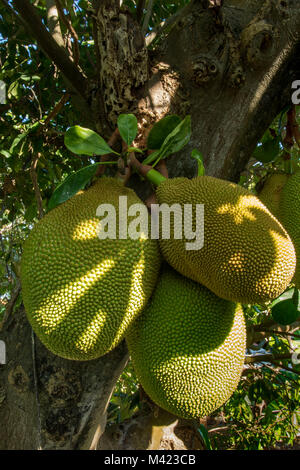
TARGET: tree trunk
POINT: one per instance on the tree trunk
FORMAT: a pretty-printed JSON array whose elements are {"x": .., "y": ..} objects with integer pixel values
[
  {"x": 48, "y": 402},
  {"x": 231, "y": 68}
]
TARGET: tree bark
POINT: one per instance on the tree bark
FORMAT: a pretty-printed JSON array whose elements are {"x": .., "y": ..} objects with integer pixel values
[
  {"x": 47, "y": 402},
  {"x": 231, "y": 68}
]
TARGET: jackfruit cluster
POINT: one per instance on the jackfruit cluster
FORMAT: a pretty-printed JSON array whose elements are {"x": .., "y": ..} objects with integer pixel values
[
  {"x": 188, "y": 347},
  {"x": 81, "y": 293},
  {"x": 247, "y": 257},
  {"x": 281, "y": 194}
]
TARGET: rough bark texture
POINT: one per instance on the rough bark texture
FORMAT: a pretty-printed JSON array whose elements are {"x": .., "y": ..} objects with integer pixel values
[
  {"x": 231, "y": 68},
  {"x": 152, "y": 429},
  {"x": 65, "y": 406}
]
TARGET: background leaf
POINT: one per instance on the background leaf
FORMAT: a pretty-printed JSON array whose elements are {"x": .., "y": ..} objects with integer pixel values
[
  {"x": 128, "y": 128},
  {"x": 177, "y": 139},
  {"x": 71, "y": 185},
  {"x": 161, "y": 130},
  {"x": 204, "y": 435},
  {"x": 199, "y": 157},
  {"x": 285, "y": 312},
  {"x": 84, "y": 141},
  {"x": 268, "y": 151}
]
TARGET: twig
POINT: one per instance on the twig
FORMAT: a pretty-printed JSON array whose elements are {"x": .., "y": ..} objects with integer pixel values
[
  {"x": 272, "y": 360},
  {"x": 266, "y": 327},
  {"x": 10, "y": 304},
  {"x": 70, "y": 27},
  {"x": 57, "y": 54},
  {"x": 38, "y": 103},
  {"x": 104, "y": 158},
  {"x": 34, "y": 180},
  {"x": 289, "y": 369},
  {"x": 3, "y": 251},
  {"x": 277, "y": 332},
  {"x": 265, "y": 358},
  {"x": 147, "y": 16},
  {"x": 57, "y": 108},
  {"x": 53, "y": 22},
  {"x": 140, "y": 10}
]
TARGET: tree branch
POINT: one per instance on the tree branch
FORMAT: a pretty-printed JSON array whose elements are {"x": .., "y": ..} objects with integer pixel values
[
  {"x": 34, "y": 180},
  {"x": 10, "y": 304},
  {"x": 147, "y": 16},
  {"x": 266, "y": 358},
  {"x": 55, "y": 52},
  {"x": 69, "y": 26},
  {"x": 140, "y": 10},
  {"x": 53, "y": 22}
]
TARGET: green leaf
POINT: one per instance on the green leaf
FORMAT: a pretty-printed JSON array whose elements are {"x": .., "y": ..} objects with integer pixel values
[
  {"x": 177, "y": 139},
  {"x": 161, "y": 130},
  {"x": 71, "y": 185},
  {"x": 268, "y": 151},
  {"x": 133, "y": 149},
  {"x": 296, "y": 298},
  {"x": 22, "y": 136},
  {"x": 128, "y": 128},
  {"x": 291, "y": 294},
  {"x": 84, "y": 141},
  {"x": 205, "y": 437},
  {"x": 17, "y": 140},
  {"x": 14, "y": 90},
  {"x": 153, "y": 156},
  {"x": 5, "y": 153},
  {"x": 285, "y": 312},
  {"x": 199, "y": 157}
]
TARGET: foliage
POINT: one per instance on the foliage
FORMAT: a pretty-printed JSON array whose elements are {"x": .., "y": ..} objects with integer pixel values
[
  {"x": 263, "y": 412},
  {"x": 265, "y": 408}
]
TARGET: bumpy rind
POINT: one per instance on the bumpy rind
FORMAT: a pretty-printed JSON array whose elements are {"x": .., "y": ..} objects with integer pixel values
[
  {"x": 81, "y": 293},
  {"x": 290, "y": 216},
  {"x": 247, "y": 256},
  {"x": 188, "y": 347}
]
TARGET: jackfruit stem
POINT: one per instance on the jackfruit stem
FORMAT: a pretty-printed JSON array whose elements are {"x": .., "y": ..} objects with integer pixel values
[
  {"x": 147, "y": 171},
  {"x": 155, "y": 177}
]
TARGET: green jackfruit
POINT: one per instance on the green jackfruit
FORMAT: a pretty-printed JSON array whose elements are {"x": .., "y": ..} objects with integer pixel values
[
  {"x": 271, "y": 192},
  {"x": 188, "y": 347},
  {"x": 290, "y": 216},
  {"x": 247, "y": 256},
  {"x": 81, "y": 293},
  {"x": 281, "y": 194}
]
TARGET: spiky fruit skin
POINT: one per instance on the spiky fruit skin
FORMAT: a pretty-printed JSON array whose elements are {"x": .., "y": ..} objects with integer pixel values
[
  {"x": 188, "y": 347},
  {"x": 81, "y": 293},
  {"x": 271, "y": 192},
  {"x": 247, "y": 256},
  {"x": 290, "y": 216}
]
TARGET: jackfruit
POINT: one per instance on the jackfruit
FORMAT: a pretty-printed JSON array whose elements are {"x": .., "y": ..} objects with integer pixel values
[
  {"x": 290, "y": 216},
  {"x": 247, "y": 256},
  {"x": 81, "y": 293},
  {"x": 285, "y": 205},
  {"x": 271, "y": 192},
  {"x": 188, "y": 347}
]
